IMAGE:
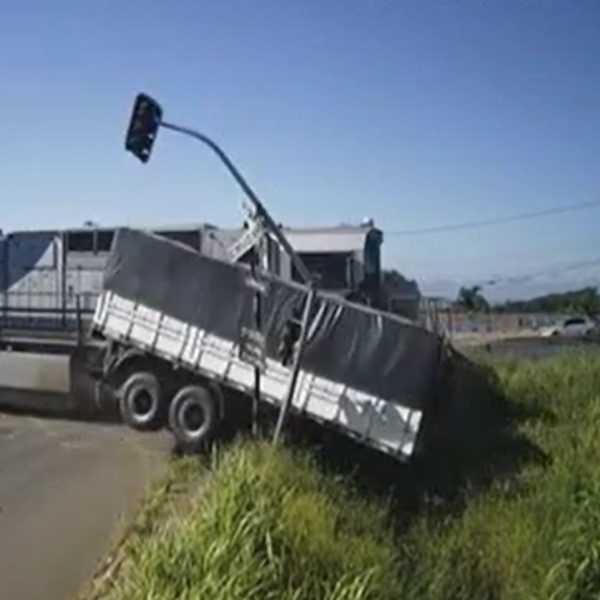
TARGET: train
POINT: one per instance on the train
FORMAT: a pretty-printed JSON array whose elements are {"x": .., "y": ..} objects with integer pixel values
[{"x": 51, "y": 279}]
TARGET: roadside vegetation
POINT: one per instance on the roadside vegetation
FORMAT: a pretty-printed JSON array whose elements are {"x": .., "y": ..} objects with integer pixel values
[
  {"x": 260, "y": 523},
  {"x": 534, "y": 531},
  {"x": 514, "y": 513},
  {"x": 582, "y": 301}
]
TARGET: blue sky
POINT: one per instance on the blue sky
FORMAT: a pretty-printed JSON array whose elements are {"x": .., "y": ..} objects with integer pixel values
[{"x": 414, "y": 113}]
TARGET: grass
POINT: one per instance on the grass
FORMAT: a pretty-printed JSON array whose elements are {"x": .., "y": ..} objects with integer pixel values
[
  {"x": 533, "y": 532},
  {"x": 264, "y": 524},
  {"x": 512, "y": 512}
]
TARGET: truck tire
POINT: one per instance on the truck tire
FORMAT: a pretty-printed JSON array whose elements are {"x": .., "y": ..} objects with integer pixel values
[
  {"x": 140, "y": 402},
  {"x": 193, "y": 417}
]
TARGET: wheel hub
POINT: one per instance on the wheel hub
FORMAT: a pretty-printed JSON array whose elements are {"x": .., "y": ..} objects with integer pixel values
[
  {"x": 142, "y": 402},
  {"x": 193, "y": 417}
]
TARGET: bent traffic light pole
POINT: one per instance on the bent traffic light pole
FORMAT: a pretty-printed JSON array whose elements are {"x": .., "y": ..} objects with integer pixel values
[
  {"x": 261, "y": 211},
  {"x": 301, "y": 268},
  {"x": 262, "y": 214},
  {"x": 141, "y": 135}
]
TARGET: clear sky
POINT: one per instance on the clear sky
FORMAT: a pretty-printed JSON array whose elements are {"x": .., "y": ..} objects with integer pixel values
[{"x": 415, "y": 113}]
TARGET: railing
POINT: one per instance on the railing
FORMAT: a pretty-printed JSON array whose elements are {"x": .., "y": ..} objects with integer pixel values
[
  {"x": 452, "y": 321},
  {"x": 42, "y": 313}
]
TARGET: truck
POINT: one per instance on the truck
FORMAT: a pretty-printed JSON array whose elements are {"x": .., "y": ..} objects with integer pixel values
[
  {"x": 189, "y": 340},
  {"x": 181, "y": 344}
]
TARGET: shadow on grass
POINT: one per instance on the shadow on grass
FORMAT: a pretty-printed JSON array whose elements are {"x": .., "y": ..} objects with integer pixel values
[{"x": 469, "y": 441}]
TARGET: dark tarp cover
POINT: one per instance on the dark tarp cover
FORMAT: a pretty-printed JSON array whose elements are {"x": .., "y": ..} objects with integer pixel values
[{"x": 372, "y": 351}]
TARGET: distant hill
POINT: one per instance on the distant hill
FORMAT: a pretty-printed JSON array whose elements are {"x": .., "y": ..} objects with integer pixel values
[{"x": 583, "y": 301}]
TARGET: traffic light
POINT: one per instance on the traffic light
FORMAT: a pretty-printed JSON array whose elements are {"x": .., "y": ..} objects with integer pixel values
[{"x": 143, "y": 127}]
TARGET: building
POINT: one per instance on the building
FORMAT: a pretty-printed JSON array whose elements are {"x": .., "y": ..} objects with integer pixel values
[{"x": 343, "y": 259}]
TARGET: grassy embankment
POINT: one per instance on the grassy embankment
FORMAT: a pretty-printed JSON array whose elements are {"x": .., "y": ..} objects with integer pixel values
[{"x": 518, "y": 516}]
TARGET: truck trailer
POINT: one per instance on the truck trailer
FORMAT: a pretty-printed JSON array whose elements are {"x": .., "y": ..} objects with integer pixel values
[
  {"x": 181, "y": 341},
  {"x": 184, "y": 334}
]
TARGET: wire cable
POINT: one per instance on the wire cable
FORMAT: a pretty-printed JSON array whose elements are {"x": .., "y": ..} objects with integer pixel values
[
  {"x": 497, "y": 221},
  {"x": 494, "y": 281}
]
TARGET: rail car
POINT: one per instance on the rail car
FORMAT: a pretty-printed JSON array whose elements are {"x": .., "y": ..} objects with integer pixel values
[{"x": 51, "y": 279}]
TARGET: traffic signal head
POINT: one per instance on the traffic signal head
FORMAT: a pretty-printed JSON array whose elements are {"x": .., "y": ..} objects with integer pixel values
[{"x": 143, "y": 127}]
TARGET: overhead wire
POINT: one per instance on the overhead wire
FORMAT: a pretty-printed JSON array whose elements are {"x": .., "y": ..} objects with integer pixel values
[
  {"x": 525, "y": 216},
  {"x": 499, "y": 280}
]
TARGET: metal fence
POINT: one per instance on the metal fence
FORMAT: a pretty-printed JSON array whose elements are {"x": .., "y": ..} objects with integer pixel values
[
  {"x": 451, "y": 321},
  {"x": 45, "y": 312}
]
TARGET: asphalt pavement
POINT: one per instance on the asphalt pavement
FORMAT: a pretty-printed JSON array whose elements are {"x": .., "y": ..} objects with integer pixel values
[{"x": 66, "y": 489}]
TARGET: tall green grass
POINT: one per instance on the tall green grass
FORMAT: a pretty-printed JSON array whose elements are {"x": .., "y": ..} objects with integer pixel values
[
  {"x": 265, "y": 523},
  {"x": 534, "y": 533}
]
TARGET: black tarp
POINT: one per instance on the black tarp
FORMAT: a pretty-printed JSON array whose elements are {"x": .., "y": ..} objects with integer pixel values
[
  {"x": 174, "y": 279},
  {"x": 365, "y": 349}
]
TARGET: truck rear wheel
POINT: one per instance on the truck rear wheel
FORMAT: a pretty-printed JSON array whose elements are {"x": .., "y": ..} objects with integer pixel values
[
  {"x": 140, "y": 402},
  {"x": 193, "y": 417}
]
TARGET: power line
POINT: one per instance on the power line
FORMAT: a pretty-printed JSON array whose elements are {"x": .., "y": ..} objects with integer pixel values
[
  {"x": 546, "y": 271},
  {"x": 497, "y": 221}
]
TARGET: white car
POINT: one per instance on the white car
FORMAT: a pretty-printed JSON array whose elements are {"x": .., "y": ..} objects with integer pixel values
[{"x": 573, "y": 327}]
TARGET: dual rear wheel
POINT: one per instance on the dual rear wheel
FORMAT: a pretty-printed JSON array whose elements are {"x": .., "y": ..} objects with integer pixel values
[
  {"x": 192, "y": 415},
  {"x": 141, "y": 401}
]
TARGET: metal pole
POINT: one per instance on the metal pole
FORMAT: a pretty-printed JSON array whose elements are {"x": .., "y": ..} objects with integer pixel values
[
  {"x": 285, "y": 407},
  {"x": 261, "y": 211},
  {"x": 78, "y": 316},
  {"x": 258, "y": 325}
]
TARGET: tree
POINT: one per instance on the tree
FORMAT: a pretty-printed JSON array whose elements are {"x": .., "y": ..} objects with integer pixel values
[
  {"x": 399, "y": 294},
  {"x": 471, "y": 299},
  {"x": 584, "y": 301}
]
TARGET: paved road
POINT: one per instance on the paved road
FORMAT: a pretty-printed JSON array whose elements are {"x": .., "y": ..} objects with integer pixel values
[{"x": 65, "y": 488}]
